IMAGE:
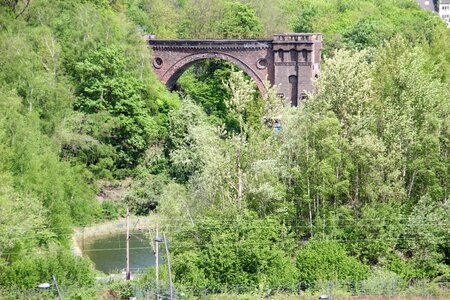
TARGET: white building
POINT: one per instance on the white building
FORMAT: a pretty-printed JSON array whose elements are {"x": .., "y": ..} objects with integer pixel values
[{"x": 444, "y": 11}]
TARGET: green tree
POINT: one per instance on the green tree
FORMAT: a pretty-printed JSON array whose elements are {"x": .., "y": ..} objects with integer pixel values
[
  {"x": 105, "y": 86},
  {"x": 203, "y": 83},
  {"x": 242, "y": 94},
  {"x": 225, "y": 250},
  {"x": 328, "y": 260},
  {"x": 368, "y": 23},
  {"x": 156, "y": 17},
  {"x": 239, "y": 21},
  {"x": 219, "y": 19},
  {"x": 37, "y": 268}
]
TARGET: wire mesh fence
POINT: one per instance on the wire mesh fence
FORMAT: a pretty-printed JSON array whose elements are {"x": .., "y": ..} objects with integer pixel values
[
  {"x": 304, "y": 291},
  {"x": 388, "y": 289}
]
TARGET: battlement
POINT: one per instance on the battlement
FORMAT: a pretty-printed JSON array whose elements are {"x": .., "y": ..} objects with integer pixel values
[{"x": 298, "y": 37}]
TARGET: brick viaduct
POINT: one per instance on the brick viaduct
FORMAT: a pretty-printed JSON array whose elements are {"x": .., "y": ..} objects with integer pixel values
[{"x": 290, "y": 61}]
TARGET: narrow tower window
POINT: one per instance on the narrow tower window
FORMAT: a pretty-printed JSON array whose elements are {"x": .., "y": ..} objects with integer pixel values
[{"x": 293, "y": 82}]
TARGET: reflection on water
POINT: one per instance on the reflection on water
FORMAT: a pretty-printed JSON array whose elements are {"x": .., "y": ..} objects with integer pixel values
[{"x": 108, "y": 252}]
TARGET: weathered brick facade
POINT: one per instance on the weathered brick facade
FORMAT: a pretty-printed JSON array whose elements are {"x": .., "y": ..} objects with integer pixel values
[{"x": 290, "y": 61}]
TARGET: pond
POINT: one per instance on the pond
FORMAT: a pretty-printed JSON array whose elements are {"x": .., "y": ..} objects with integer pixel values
[{"x": 108, "y": 252}]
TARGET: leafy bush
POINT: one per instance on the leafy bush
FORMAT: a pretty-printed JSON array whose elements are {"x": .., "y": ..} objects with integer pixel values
[
  {"x": 34, "y": 269},
  {"x": 327, "y": 260},
  {"x": 383, "y": 282},
  {"x": 112, "y": 209},
  {"x": 230, "y": 251},
  {"x": 105, "y": 85},
  {"x": 145, "y": 193},
  {"x": 122, "y": 290}
]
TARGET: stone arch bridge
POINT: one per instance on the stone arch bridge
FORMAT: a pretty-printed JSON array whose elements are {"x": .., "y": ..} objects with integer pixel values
[{"x": 290, "y": 61}]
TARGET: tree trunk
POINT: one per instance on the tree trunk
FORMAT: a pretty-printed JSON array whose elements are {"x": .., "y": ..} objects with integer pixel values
[
  {"x": 310, "y": 219},
  {"x": 239, "y": 167},
  {"x": 411, "y": 183}
]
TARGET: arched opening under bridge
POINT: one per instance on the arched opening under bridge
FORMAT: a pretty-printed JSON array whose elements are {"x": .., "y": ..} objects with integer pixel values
[{"x": 176, "y": 71}]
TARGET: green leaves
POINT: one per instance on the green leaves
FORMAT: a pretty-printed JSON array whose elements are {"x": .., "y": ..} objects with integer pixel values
[
  {"x": 327, "y": 260},
  {"x": 38, "y": 268},
  {"x": 368, "y": 32},
  {"x": 105, "y": 86},
  {"x": 223, "y": 251},
  {"x": 363, "y": 163},
  {"x": 220, "y": 19},
  {"x": 204, "y": 84},
  {"x": 304, "y": 21},
  {"x": 239, "y": 21},
  {"x": 426, "y": 237},
  {"x": 413, "y": 106},
  {"x": 362, "y": 137},
  {"x": 368, "y": 23}
]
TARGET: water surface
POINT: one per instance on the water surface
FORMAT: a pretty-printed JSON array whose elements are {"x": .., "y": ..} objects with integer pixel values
[{"x": 108, "y": 252}]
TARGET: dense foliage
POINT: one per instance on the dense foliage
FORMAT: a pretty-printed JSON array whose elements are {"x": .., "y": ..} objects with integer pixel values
[
  {"x": 370, "y": 23},
  {"x": 72, "y": 110},
  {"x": 354, "y": 186}
]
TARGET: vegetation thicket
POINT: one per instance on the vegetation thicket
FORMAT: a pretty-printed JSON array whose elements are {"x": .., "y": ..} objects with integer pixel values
[{"x": 354, "y": 186}]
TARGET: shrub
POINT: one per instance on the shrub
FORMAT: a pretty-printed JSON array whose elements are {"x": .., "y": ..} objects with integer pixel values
[
  {"x": 112, "y": 209},
  {"x": 249, "y": 252},
  {"x": 328, "y": 260},
  {"x": 145, "y": 193},
  {"x": 122, "y": 290},
  {"x": 38, "y": 268}
]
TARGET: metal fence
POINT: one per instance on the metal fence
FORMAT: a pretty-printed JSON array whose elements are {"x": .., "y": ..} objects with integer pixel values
[
  {"x": 370, "y": 290},
  {"x": 389, "y": 289}
]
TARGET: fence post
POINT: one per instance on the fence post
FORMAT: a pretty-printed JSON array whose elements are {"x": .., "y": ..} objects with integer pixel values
[
  {"x": 394, "y": 284},
  {"x": 425, "y": 289},
  {"x": 299, "y": 291},
  {"x": 330, "y": 290}
]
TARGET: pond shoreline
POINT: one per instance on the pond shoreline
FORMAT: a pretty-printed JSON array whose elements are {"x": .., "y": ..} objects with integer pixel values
[{"x": 95, "y": 231}]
